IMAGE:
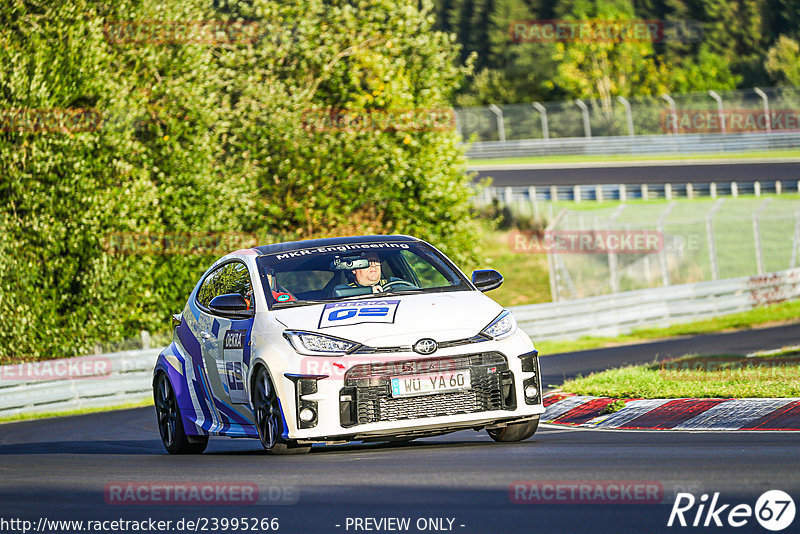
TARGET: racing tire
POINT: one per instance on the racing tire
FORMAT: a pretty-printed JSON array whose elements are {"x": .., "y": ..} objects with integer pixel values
[
  {"x": 269, "y": 420},
  {"x": 514, "y": 431},
  {"x": 170, "y": 422}
]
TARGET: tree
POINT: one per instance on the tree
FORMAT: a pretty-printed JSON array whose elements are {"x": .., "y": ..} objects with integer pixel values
[{"x": 782, "y": 62}]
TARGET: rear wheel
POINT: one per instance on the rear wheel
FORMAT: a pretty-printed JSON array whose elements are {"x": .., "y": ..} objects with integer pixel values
[
  {"x": 515, "y": 431},
  {"x": 269, "y": 421},
  {"x": 170, "y": 423}
]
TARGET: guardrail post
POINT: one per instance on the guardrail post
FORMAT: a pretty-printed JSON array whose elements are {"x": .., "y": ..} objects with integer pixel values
[
  {"x": 543, "y": 114},
  {"x": 553, "y": 193},
  {"x": 778, "y": 187},
  {"x": 668, "y": 191},
  {"x": 501, "y": 125},
  {"x": 765, "y": 100},
  {"x": 757, "y": 188},
  {"x": 598, "y": 193},
  {"x": 712, "y": 189},
  {"x": 645, "y": 192},
  {"x": 587, "y": 128},
  {"x": 623, "y": 194},
  {"x": 757, "y": 237},
  {"x": 712, "y": 245},
  {"x": 689, "y": 191},
  {"x": 628, "y": 114},
  {"x": 576, "y": 193},
  {"x": 508, "y": 197},
  {"x": 734, "y": 190}
]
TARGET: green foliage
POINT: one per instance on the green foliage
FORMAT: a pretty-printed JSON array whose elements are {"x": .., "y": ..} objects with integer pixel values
[
  {"x": 783, "y": 61},
  {"x": 207, "y": 138}
]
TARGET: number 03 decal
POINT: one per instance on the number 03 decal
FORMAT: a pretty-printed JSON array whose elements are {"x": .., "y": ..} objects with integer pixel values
[{"x": 346, "y": 313}]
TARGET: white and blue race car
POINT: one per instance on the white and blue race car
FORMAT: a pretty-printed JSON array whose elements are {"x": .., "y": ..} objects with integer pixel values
[{"x": 371, "y": 338}]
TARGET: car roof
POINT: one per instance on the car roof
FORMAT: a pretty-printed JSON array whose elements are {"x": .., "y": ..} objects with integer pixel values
[{"x": 331, "y": 241}]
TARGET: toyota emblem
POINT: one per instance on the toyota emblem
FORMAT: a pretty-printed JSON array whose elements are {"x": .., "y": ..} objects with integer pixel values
[{"x": 425, "y": 346}]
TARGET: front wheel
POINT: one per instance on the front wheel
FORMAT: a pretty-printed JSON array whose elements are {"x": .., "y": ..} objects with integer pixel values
[
  {"x": 269, "y": 421},
  {"x": 170, "y": 422},
  {"x": 515, "y": 431}
]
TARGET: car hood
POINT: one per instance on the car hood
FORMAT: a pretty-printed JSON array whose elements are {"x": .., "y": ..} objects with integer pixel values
[{"x": 398, "y": 319}]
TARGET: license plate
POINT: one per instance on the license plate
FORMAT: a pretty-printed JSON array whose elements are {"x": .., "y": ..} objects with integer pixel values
[{"x": 407, "y": 386}]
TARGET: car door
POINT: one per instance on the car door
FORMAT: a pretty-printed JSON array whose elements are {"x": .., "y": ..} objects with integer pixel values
[{"x": 225, "y": 340}]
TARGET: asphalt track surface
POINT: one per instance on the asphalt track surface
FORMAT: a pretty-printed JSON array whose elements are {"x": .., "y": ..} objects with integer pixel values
[
  {"x": 786, "y": 172},
  {"x": 58, "y": 468}
]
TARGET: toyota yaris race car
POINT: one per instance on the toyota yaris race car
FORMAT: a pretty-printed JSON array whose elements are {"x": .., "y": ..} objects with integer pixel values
[{"x": 372, "y": 338}]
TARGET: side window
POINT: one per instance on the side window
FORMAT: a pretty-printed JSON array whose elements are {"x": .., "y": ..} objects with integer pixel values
[
  {"x": 230, "y": 278},
  {"x": 426, "y": 273}
]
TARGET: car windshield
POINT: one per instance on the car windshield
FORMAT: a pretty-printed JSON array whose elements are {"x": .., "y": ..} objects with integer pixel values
[{"x": 356, "y": 271}]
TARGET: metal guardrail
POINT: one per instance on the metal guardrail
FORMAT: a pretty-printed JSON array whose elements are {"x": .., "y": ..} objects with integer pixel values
[
  {"x": 639, "y": 144},
  {"x": 613, "y": 315},
  {"x": 508, "y": 195},
  {"x": 125, "y": 377},
  {"x": 74, "y": 383}
]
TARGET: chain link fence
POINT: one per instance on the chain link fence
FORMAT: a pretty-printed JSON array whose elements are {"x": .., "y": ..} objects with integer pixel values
[
  {"x": 746, "y": 110},
  {"x": 610, "y": 250}
]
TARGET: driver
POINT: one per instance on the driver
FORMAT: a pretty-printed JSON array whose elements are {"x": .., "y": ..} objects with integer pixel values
[{"x": 370, "y": 276}]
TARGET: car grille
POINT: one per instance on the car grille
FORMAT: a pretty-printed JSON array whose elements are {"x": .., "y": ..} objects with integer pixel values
[{"x": 367, "y": 398}]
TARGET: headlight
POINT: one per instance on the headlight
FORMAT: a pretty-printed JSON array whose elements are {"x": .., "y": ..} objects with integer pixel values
[
  {"x": 317, "y": 344},
  {"x": 503, "y": 326}
]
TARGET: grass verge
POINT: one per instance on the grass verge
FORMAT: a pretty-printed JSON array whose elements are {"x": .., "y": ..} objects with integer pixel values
[
  {"x": 788, "y": 153},
  {"x": 725, "y": 376},
  {"x": 783, "y": 312},
  {"x": 81, "y": 411}
]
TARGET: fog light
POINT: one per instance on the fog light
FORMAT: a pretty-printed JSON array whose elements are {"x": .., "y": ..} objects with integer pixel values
[
  {"x": 531, "y": 391},
  {"x": 307, "y": 415}
]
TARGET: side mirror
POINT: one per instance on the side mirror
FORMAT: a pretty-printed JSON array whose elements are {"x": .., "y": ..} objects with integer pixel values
[
  {"x": 486, "y": 279},
  {"x": 230, "y": 304}
]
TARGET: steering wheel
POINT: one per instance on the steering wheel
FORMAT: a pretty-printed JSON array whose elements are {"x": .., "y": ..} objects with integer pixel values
[{"x": 395, "y": 283}]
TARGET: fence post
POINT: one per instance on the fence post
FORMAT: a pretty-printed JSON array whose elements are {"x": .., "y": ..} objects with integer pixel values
[
  {"x": 778, "y": 187},
  {"x": 765, "y": 100},
  {"x": 757, "y": 188},
  {"x": 720, "y": 110},
  {"x": 613, "y": 267},
  {"x": 645, "y": 192},
  {"x": 757, "y": 237},
  {"x": 673, "y": 110},
  {"x": 712, "y": 245},
  {"x": 534, "y": 204},
  {"x": 662, "y": 255},
  {"x": 508, "y": 196},
  {"x": 628, "y": 115},
  {"x": 543, "y": 114},
  {"x": 501, "y": 125},
  {"x": 576, "y": 193},
  {"x": 553, "y": 193},
  {"x": 668, "y": 191},
  {"x": 712, "y": 190},
  {"x": 623, "y": 194},
  {"x": 795, "y": 239},
  {"x": 145, "y": 339},
  {"x": 734, "y": 190},
  {"x": 598, "y": 193},
  {"x": 587, "y": 128},
  {"x": 551, "y": 258},
  {"x": 689, "y": 191}
]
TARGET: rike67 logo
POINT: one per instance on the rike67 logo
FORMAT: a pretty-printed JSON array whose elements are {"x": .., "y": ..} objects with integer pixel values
[{"x": 774, "y": 510}]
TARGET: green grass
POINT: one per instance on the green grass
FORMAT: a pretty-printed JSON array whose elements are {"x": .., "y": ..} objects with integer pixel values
[
  {"x": 82, "y": 411},
  {"x": 725, "y": 376},
  {"x": 788, "y": 153},
  {"x": 766, "y": 315},
  {"x": 527, "y": 278}
]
